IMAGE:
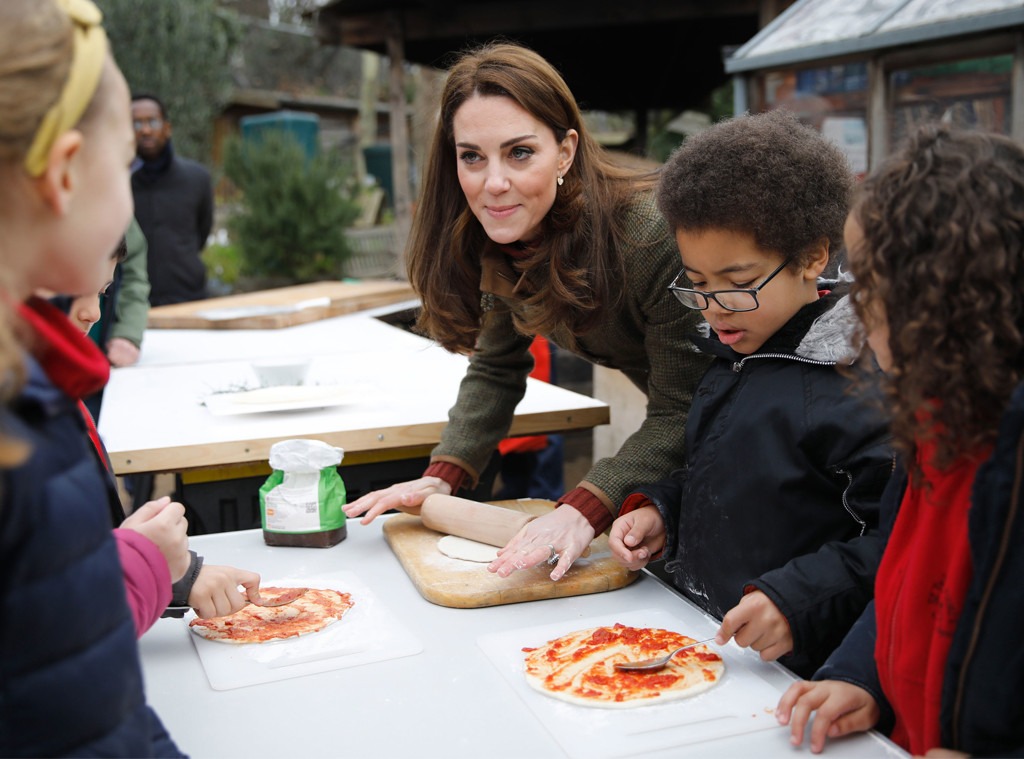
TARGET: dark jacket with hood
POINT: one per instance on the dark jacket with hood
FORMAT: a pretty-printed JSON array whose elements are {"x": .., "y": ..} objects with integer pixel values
[
  {"x": 982, "y": 703},
  {"x": 70, "y": 676},
  {"x": 785, "y": 466}
]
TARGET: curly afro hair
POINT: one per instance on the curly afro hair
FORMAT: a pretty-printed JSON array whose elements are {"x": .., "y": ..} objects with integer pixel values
[
  {"x": 767, "y": 175},
  {"x": 942, "y": 257}
]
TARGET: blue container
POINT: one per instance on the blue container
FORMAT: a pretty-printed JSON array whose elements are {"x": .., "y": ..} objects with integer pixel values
[{"x": 304, "y": 127}]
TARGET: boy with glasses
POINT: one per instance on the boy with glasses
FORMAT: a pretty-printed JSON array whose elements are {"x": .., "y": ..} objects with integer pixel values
[{"x": 772, "y": 523}]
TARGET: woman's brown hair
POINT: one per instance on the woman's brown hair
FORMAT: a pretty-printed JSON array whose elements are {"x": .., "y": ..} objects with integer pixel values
[
  {"x": 943, "y": 257},
  {"x": 576, "y": 270}
]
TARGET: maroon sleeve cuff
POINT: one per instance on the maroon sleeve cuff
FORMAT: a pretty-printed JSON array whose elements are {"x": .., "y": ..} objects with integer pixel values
[
  {"x": 590, "y": 506},
  {"x": 453, "y": 474},
  {"x": 634, "y": 502}
]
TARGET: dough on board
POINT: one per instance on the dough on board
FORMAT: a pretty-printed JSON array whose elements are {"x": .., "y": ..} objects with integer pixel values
[{"x": 467, "y": 550}]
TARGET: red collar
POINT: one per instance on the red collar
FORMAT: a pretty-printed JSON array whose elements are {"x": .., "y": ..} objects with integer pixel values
[{"x": 70, "y": 360}]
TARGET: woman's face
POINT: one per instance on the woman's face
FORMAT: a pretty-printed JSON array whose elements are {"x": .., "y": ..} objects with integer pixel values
[
  {"x": 876, "y": 325},
  {"x": 508, "y": 164}
]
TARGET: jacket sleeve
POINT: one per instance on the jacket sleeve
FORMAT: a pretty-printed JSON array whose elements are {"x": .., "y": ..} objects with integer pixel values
[
  {"x": 204, "y": 222},
  {"x": 823, "y": 593},
  {"x": 854, "y": 662},
  {"x": 133, "y": 295},
  {"x": 493, "y": 385},
  {"x": 146, "y": 577}
]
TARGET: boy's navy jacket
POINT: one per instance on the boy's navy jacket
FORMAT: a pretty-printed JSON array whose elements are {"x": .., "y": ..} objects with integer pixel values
[
  {"x": 983, "y": 689},
  {"x": 70, "y": 677},
  {"x": 785, "y": 466}
]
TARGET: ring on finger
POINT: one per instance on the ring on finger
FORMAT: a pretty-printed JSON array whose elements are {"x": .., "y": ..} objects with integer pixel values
[{"x": 553, "y": 558}]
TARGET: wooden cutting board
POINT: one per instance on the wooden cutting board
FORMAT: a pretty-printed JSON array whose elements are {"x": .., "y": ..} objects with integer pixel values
[
  {"x": 468, "y": 585},
  {"x": 272, "y": 309}
]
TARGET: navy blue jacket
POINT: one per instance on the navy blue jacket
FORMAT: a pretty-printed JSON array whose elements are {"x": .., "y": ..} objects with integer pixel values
[
  {"x": 784, "y": 470},
  {"x": 983, "y": 690},
  {"x": 70, "y": 677}
]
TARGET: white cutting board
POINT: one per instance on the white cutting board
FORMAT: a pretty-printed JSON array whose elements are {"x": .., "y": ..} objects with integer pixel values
[
  {"x": 367, "y": 633},
  {"x": 741, "y": 702}
]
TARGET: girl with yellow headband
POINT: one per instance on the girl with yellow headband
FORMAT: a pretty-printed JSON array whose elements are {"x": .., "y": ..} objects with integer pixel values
[{"x": 70, "y": 678}]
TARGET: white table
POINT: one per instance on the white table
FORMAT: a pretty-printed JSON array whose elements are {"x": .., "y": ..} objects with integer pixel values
[
  {"x": 153, "y": 419},
  {"x": 447, "y": 701}
]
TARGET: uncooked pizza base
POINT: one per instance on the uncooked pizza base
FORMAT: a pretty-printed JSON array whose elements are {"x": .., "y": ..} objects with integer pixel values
[
  {"x": 309, "y": 613},
  {"x": 468, "y": 550},
  {"x": 580, "y": 667}
]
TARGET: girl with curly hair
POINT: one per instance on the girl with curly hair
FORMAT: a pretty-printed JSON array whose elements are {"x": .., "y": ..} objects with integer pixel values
[
  {"x": 936, "y": 243},
  {"x": 525, "y": 227}
]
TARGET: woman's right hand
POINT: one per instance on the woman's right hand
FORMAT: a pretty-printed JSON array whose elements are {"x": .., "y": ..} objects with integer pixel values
[{"x": 403, "y": 496}]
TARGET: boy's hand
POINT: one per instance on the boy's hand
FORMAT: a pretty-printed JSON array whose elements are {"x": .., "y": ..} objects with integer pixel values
[
  {"x": 121, "y": 352},
  {"x": 842, "y": 708},
  {"x": 164, "y": 523},
  {"x": 636, "y": 537},
  {"x": 216, "y": 594},
  {"x": 755, "y": 622}
]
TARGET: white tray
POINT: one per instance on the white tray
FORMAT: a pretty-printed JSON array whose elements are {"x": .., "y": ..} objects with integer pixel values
[
  {"x": 283, "y": 398},
  {"x": 367, "y": 633},
  {"x": 741, "y": 702}
]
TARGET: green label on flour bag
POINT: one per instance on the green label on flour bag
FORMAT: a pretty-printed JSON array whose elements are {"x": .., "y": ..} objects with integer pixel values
[{"x": 305, "y": 493}]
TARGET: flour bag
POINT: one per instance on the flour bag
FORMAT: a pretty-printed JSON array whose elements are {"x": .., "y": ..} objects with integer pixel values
[{"x": 300, "y": 503}]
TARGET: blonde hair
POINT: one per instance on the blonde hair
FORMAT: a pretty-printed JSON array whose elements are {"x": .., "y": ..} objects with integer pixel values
[{"x": 37, "y": 44}]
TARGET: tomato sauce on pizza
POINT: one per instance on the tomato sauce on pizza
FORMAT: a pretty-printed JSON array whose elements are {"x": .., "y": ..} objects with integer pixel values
[
  {"x": 312, "y": 611},
  {"x": 580, "y": 667}
]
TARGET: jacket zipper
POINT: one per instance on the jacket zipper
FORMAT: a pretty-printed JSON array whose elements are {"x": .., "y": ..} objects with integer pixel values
[
  {"x": 1004, "y": 547},
  {"x": 737, "y": 366},
  {"x": 846, "y": 504}
]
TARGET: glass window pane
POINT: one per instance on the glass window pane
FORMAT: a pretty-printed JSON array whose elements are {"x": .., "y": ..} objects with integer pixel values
[
  {"x": 833, "y": 99},
  {"x": 971, "y": 93}
]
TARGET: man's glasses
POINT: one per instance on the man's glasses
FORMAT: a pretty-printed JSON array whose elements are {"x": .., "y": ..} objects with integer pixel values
[
  {"x": 730, "y": 300},
  {"x": 153, "y": 124}
]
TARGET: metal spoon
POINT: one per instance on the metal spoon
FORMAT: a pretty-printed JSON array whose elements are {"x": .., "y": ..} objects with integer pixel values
[{"x": 652, "y": 665}]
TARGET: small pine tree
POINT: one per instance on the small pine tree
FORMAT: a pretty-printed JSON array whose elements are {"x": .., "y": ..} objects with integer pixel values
[
  {"x": 180, "y": 51},
  {"x": 294, "y": 209}
]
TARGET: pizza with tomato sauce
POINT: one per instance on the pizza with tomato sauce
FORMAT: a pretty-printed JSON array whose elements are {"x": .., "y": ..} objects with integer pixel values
[
  {"x": 310, "y": 612},
  {"x": 580, "y": 667}
]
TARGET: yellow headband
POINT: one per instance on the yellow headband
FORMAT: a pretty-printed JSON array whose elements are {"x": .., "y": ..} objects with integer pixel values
[{"x": 86, "y": 66}]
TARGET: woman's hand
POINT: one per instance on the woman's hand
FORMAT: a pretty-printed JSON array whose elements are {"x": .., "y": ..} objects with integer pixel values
[
  {"x": 564, "y": 533},
  {"x": 404, "y": 496},
  {"x": 636, "y": 537},
  {"x": 842, "y": 708},
  {"x": 164, "y": 523}
]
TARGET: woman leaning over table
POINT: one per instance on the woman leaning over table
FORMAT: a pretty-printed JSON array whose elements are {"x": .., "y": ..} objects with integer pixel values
[{"x": 524, "y": 227}]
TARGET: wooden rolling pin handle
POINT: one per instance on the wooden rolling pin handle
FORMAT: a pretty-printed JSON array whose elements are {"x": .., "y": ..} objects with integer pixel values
[{"x": 483, "y": 522}]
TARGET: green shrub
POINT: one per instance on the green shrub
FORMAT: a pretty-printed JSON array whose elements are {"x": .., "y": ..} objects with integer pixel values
[{"x": 293, "y": 209}]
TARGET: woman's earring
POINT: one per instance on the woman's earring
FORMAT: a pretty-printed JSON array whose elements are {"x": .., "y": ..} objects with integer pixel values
[{"x": 560, "y": 180}]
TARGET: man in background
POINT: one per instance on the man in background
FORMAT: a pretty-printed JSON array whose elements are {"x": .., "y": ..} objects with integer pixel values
[{"x": 173, "y": 205}]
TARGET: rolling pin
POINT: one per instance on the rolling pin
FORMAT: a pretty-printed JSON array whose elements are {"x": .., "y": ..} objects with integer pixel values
[{"x": 477, "y": 521}]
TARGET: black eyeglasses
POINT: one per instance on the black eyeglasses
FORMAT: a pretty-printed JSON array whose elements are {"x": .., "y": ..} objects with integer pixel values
[
  {"x": 153, "y": 123},
  {"x": 730, "y": 300}
]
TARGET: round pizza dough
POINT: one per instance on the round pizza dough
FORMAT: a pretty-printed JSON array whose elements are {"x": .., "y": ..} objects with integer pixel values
[{"x": 467, "y": 550}]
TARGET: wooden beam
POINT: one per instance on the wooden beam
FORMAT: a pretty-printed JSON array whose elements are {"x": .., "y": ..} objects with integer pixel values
[{"x": 485, "y": 19}]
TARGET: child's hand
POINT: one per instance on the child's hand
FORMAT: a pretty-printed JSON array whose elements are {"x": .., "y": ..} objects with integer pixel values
[
  {"x": 842, "y": 708},
  {"x": 216, "y": 594},
  {"x": 164, "y": 523},
  {"x": 755, "y": 622},
  {"x": 636, "y": 537}
]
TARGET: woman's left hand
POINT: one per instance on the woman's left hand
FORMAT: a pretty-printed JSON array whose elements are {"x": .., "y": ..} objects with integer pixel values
[{"x": 564, "y": 533}]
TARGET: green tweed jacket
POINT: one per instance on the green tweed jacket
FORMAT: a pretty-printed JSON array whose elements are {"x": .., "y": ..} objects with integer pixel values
[{"x": 647, "y": 338}]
